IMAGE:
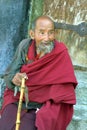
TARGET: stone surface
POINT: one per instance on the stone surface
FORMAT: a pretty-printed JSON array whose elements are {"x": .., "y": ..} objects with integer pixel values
[
  {"x": 2, "y": 88},
  {"x": 71, "y": 12},
  {"x": 13, "y": 28},
  {"x": 79, "y": 121},
  {"x": 36, "y": 9}
]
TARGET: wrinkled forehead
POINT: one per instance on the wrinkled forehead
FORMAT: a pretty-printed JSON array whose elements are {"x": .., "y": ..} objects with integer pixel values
[{"x": 44, "y": 23}]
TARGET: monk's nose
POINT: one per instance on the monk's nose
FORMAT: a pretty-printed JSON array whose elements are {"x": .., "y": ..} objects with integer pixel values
[{"x": 46, "y": 38}]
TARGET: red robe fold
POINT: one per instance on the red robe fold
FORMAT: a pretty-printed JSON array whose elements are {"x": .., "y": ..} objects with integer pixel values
[{"x": 51, "y": 78}]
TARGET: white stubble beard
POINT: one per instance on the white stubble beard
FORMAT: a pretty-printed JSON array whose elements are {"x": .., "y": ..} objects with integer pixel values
[{"x": 45, "y": 47}]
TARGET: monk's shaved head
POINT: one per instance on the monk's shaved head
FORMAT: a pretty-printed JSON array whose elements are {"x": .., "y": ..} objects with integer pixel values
[{"x": 41, "y": 18}]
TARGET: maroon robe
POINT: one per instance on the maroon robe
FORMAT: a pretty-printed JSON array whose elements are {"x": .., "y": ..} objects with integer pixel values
[{"x": 52, "y": 82}]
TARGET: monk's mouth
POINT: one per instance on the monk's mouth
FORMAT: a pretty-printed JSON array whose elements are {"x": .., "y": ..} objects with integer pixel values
[{"x": 46, "y": 43}]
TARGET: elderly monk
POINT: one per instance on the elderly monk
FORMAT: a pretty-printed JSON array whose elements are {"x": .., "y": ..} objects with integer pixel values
[{"x": 50, "y": 82}]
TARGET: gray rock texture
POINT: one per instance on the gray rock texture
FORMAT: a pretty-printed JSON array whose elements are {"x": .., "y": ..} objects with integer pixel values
[
  {"x": 13, "y": 28},
  {"x": 79, "y": 121}
]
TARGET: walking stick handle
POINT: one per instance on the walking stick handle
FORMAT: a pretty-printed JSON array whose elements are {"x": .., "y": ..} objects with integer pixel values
[{"x": 20, "y": 104}]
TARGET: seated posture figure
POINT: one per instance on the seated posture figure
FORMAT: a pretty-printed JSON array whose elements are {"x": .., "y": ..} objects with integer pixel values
[{"x": 50, "y": 82}]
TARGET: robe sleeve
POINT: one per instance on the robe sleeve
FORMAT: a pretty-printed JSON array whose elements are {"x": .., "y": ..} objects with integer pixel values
[{"x": 18, "y": 60}]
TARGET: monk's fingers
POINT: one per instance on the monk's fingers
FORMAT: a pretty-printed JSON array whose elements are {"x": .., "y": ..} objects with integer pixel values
[
  {"x": 17, "y": 81},
  {"x": 25, "y": 76},
  {"x": 22, "y": 75}
]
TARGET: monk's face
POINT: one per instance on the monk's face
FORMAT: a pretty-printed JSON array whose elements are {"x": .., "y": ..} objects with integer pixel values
[{"x": 44, "y": 32}]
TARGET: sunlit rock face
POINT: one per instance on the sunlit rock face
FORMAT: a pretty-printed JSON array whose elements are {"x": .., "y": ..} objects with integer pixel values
[
  {"x": 13, "y": 28},
  {"x": 71, "y": 12}
]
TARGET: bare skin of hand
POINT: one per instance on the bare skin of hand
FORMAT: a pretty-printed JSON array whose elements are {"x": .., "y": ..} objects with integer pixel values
[{"x": 17, "y": 79}]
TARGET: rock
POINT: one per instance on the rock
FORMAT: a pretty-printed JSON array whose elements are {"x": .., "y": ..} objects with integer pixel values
[
  {"x": 13, "y": 28},
  {"x": 79, "y": 120}
]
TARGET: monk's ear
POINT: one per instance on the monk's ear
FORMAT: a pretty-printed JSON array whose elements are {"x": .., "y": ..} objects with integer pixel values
[{"x": 31, "y": 33}]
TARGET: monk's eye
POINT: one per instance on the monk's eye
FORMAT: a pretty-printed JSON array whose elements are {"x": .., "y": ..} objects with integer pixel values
[
  {"x": 42, "y": 33},
  {"x": 51, "y": 32}
]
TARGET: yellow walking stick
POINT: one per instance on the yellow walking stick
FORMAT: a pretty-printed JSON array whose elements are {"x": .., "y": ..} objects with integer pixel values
[{"x": 20, "y": 104}]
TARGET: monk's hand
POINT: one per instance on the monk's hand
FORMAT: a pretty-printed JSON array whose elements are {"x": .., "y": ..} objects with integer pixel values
[{"x": 17, "y": 79}]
